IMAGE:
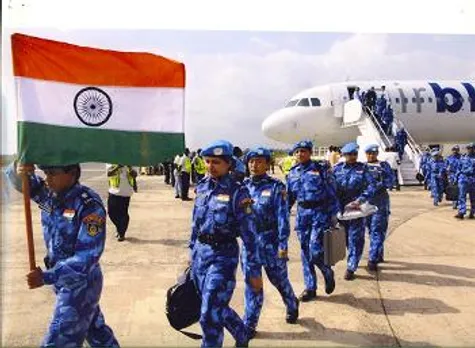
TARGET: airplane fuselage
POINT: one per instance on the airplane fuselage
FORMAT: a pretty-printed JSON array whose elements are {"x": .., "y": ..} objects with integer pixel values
[{"x": 432, "y": 111}]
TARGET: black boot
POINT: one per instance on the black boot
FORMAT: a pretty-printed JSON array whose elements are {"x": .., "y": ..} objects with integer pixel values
[
  {"x": 308, "y": 295},
  {"x": 459, "y": 216},
  {"x": 349, "y": 275},
  {"x": 372, "y": 266},
  {"x": 330, "y": 283},
  {"x": 292, "y": 316}
]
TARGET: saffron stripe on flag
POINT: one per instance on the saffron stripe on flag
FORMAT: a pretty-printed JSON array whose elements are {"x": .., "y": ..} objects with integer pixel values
[{"x": 50, "y": 60}]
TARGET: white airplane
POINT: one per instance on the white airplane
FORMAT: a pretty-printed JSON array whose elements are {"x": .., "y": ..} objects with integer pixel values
[{"x": 431, "y": 111}]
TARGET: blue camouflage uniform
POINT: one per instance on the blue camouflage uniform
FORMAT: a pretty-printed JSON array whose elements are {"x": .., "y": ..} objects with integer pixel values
[
  {"x": 273, "y": 230},
  {"x": 238, "y": 170},
  {"x": 466, "y": 182},
  {"x": 312, "y": 186},
  {"x": 401, "y": 141},
  {"x": 452, "y": 163},
  {"x": 387, "y": 118},
  {"x": 381, "y": 104},
  {"x": 74, "y": 231},
  {"x": 424, "y": 167},
  {"x": 377, "y": 223},
  {"x": 438, "y": 175},
  {"x": 354, "y": 182},
  {"x": 222, "y": 212}
]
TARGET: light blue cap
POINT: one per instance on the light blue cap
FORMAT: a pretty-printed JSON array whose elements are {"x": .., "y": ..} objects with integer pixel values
[
  {"x": 350, "y": 148},
  {"x": 303, "y": 144},
  {"x": 218, "y": 148},
  {"x": 258, "y": 152},
  {"x": 372, "y": 148}
]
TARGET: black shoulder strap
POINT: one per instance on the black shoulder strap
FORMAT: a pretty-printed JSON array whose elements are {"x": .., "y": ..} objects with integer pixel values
[{"x": 191, "y": 335}]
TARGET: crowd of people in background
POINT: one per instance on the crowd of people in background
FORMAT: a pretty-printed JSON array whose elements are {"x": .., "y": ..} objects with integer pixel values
[{"x": 454, "y": 176}]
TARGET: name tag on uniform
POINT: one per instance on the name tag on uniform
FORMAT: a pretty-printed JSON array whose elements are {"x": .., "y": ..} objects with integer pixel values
[
  {"x": 266, "y": 193},
  {"x": 222, "y": 198},
  {"x": 314, "y": 172},
  {"x": 359, "y": 172},
  {"x": 69, "y": 214}
]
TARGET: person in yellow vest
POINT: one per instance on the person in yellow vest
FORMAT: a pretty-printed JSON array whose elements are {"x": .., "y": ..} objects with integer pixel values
[
  {"x": 286, "y": 164},
  {"x": 185, "y": 175},
  {"x": 200, "y": 167},
  {"x": 122, "y": 184}
]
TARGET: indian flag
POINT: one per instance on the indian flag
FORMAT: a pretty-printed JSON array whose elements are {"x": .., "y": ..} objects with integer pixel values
[{"x": 80, "y": 104}]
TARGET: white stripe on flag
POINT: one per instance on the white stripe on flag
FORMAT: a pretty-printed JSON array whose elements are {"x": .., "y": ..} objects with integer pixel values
[{"x": 133, "y": 108}]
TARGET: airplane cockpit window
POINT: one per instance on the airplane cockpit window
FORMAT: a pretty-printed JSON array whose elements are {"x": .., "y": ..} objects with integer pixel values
[
  {"x": 303, "y": 102},
  {"x": 315, "y": 102},
  {"x": 292, "y": 103}
]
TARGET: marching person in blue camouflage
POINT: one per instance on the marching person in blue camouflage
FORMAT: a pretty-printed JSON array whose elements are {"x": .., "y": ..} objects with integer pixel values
[
  {"x": 452, "y": 164},
  {"x": 73, "y": 219},
  {"x": 438, "y": 176},
  {"x": 377, "y": 223},
  {"x": 424, "y": 166},
  {"x": 355, "y": 185},
  {"x": 466, "y": 183},
  {"x": 222, "y": 213},
  {"x": 311, "y": 184},
  {"x": 273, "y": 230}
]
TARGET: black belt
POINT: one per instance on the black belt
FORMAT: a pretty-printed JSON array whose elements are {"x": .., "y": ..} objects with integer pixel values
[
  {"x": 216, "y": 239},
  {"x": 311, "y": 204}
]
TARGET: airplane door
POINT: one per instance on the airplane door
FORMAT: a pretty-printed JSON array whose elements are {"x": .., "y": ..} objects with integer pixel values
[{"x": 339, "y": 98}]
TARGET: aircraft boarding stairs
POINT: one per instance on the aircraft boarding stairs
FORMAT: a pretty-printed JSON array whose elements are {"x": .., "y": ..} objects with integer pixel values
[{"x": 371, "y": 131}]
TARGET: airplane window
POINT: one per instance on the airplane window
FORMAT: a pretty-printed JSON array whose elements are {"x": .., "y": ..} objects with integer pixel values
[
  {"x": 406, "y": 100},
  {"x": 422, "y": 100},
  {"x": 315, "y": 102},
  {"x": 414, "y": 100},
  {"x": 303, "y": 102},
  {"x": 397, "y": 100},
  {"x": 292, "y": 103},
  {"x": 430, "y": 100}
]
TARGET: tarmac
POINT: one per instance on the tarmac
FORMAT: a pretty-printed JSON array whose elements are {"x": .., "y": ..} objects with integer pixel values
[{"x": 423, "y": 295}]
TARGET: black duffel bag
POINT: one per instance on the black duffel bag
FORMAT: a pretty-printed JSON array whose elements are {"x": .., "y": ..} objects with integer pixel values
[
  {"x": 183, "y": 305},
  {"x": 420, "y": 177},
  {"x": 452, "y": 192}
]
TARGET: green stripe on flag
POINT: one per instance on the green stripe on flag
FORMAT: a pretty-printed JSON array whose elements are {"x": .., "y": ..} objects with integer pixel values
[{"x": 46, "y": 144}]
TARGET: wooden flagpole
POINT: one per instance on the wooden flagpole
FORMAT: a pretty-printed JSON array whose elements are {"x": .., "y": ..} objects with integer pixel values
[{"x": 29, "y": 225}]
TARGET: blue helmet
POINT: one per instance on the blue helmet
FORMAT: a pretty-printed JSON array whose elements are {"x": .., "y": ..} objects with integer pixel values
[
  {"x": 304, "y": 144},
  {"x": 258, "y": 152},
  {"x": 350, "y": 148},
  {"x": 372, "y": 148},
  {"x": 218, "y": 148}
]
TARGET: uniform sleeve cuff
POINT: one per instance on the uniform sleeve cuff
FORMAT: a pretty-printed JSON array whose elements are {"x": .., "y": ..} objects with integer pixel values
[{"x": 49, "y": 277}]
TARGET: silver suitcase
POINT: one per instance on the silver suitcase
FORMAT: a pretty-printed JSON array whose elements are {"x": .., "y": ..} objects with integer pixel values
[{"x": 334, "y": 245}]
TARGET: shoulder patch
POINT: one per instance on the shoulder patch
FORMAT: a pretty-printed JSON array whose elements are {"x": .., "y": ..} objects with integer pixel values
[
  {"x": 94, "y": 224},
  {"x": 246, "y": 205}
]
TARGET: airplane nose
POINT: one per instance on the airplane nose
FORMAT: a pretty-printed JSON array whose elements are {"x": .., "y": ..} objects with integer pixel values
[{"x": 275, "y": 125}]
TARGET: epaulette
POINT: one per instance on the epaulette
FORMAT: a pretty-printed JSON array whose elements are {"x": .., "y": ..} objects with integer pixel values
[{"x": 88, "y": 199}]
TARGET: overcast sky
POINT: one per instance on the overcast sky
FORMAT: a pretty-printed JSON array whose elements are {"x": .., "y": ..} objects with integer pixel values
[{"x": 237, "y": 78}]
